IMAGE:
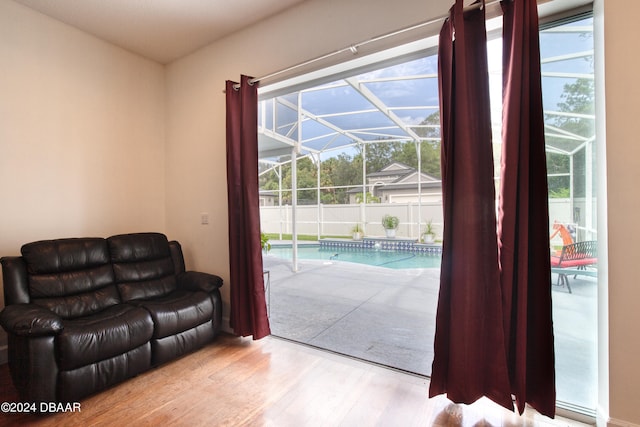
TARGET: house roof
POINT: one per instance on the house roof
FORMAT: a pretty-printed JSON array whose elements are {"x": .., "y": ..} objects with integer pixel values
[
  {"x": 403, "y": 172},
  {"x": 404, "y": 177}
]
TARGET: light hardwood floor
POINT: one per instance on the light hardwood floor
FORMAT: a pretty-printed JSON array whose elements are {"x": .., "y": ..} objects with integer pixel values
[{"x": 271, "y": 382}]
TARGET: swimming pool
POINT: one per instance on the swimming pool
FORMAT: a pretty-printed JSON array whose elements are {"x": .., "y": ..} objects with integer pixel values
[{"x": 376, "y": 257}]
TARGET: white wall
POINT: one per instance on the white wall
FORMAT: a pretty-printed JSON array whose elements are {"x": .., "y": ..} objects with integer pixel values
[
  {"x": 622, "y": 92},
  {"x": 81, "y": 134}
]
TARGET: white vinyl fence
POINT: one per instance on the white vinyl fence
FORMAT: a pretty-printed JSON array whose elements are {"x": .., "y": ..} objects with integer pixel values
[{"x": 338, "y": 220}]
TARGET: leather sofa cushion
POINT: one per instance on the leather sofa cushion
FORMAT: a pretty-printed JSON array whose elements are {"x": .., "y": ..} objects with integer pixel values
[
  {"x": 179, "y": 311},
  {"x": 144, "y": 280},
  {"x": 76, "y": 384},
  {"x": 142, "y": 265},
  {"x": 56, "y": 256},
  {"x": 137, "y": 247},
  {"x": 70, "y": 282},
  {"x": 168, "y": 348},
  {"x": 71, "y": 277},
  {"x": 79, "y": 305},
  {"x": 111, "y": 332}
]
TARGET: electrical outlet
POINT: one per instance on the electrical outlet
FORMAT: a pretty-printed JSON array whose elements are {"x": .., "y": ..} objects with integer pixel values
[{"x": 204, "y": 218}]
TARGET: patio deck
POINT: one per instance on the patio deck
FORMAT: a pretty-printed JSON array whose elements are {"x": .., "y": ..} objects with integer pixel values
[{"x": 387, "y": 317}]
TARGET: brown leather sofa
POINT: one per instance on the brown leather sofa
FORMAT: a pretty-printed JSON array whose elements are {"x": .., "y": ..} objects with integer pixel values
[{"x": 83, "y": 314}]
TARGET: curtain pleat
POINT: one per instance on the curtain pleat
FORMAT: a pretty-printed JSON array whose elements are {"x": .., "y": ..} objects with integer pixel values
[
  {"x": 470, "y": 356},
  {"x": 524, "y": 215},
  {"x": 248, "y": 307}
]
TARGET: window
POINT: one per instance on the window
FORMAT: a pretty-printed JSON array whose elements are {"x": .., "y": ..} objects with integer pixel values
[{"x": 368, "y": 144}]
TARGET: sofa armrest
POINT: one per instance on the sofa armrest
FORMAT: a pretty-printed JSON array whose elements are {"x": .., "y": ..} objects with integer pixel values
[
  {"x": 199, "y": 281},
  {"x": 30, "y": 320},
  {"x": 14, "y": 275}
]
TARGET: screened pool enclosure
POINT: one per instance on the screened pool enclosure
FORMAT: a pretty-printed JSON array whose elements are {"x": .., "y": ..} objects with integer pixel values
[{"x": 352, "y": 148}]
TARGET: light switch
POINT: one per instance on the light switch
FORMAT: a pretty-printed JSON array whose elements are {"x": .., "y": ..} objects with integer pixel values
[{"x": 204, "y": 218}]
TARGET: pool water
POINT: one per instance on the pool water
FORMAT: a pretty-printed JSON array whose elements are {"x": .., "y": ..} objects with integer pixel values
[{"x": 379, "y": 258}]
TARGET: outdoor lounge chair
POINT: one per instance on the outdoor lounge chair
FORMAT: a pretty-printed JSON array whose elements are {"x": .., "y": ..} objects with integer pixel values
[{"x": 574, "y": 259}]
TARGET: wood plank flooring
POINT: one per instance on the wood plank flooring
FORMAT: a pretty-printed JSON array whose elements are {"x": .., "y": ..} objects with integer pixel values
[{"x": 271, "y": 382}]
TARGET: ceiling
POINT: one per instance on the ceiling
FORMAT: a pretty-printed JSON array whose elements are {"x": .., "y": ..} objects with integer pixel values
[{"x": 161, "y": 30}]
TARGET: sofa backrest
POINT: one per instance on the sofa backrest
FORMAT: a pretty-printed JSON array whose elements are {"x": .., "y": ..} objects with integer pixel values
[
  {"x": 142, "y": 265},
  {"x": 71, "y": 277}
]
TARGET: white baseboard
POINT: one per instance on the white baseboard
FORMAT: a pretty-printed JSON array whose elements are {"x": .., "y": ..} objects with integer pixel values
[
  {"x": 613, "y": 422},
  {"x": 603, "y": 420}
]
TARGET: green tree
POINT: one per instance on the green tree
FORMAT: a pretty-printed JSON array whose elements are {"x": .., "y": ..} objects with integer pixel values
[
  {"x": 576, "y": 98},
  {"x": 340, "y": 171},
  {"x": 379, "y": 154},
  {"x": 430, "y": 147},
  {"x": 306, "y": 178}
]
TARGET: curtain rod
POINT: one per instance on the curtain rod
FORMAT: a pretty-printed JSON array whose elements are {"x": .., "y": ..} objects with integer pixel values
[{"x": 354, "y": 47}]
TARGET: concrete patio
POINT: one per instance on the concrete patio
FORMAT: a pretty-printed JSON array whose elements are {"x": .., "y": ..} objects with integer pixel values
[{"x": 387, "y": 317}]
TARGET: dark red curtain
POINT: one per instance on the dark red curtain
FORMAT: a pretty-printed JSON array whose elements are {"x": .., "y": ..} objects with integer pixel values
[
  {"x": 248, "y": 307},
  {"x": 470, "y": 356},
  {"x": 494, "y": 331},
  {"x": 524, "y": 215}
]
